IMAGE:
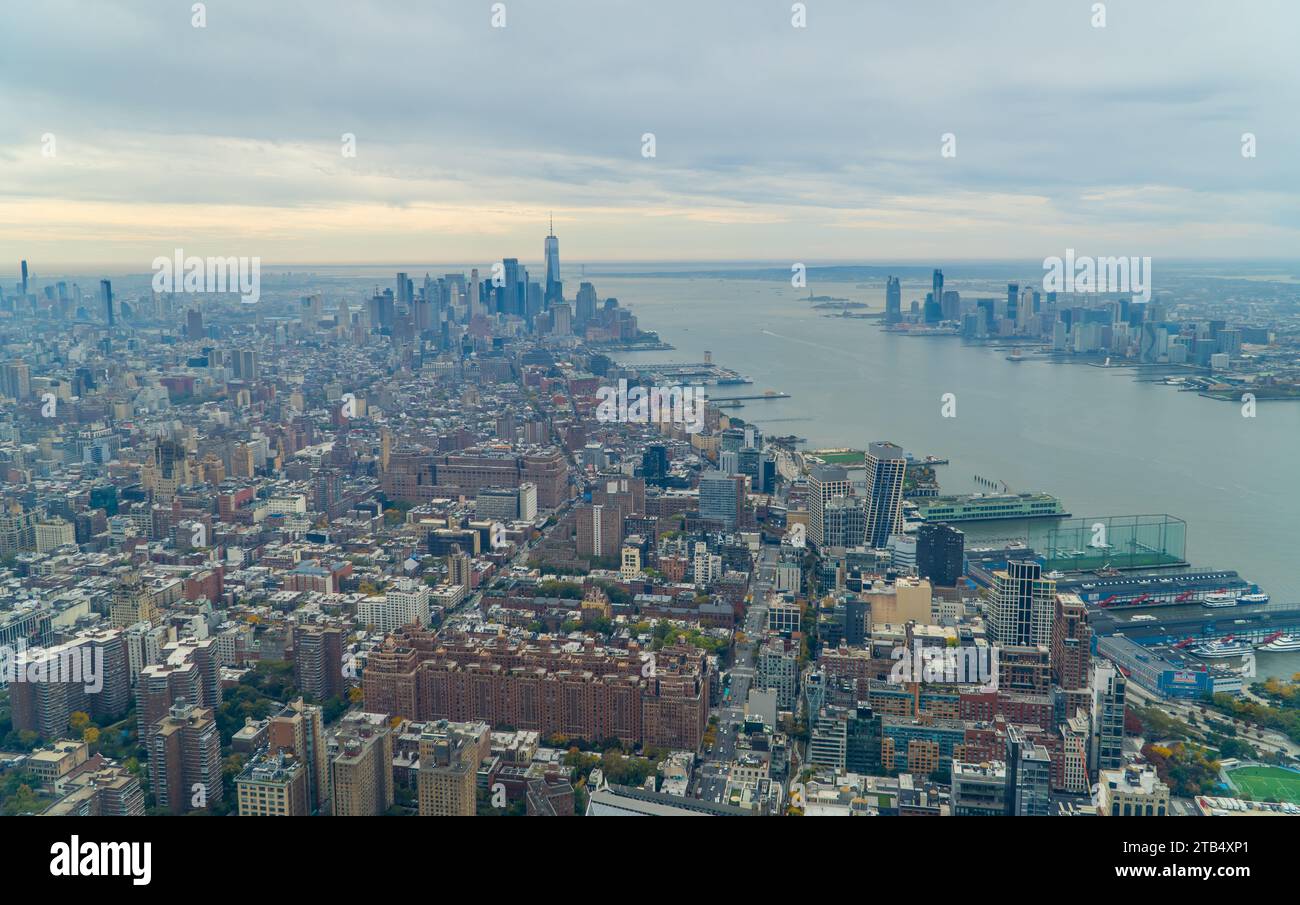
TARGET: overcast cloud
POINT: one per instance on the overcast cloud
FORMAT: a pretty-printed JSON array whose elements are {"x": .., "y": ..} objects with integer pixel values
[{"x": 773, "y": 143}]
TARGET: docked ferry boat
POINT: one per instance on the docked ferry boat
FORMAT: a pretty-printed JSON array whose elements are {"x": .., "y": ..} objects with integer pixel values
[
  {"x": 1219, "y": 599},
  {"x": 1217, "y": 650}
]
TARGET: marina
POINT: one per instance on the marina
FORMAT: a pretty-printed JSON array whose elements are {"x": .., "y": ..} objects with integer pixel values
[
  {"x": 1152, "y": 588},
  {"x": 1257, "y": 623}
]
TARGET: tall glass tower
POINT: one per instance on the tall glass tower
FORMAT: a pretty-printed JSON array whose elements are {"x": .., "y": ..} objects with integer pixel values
[
  {"x": 886, "y": 467},
  {"x": 893, "y": 301},
  {"x": 554, "y": 288}
]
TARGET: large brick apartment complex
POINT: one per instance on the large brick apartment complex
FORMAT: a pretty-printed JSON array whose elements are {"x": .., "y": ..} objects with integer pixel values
[
  {"x": 415, "y": 476},
  {"x": 583, "y": 692}
]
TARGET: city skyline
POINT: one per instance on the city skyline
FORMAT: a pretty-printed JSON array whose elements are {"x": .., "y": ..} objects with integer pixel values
[{"x": 423, "y": 484}]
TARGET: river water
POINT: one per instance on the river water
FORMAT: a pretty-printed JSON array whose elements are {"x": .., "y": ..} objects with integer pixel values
[{"x": 1103, "y": 442}]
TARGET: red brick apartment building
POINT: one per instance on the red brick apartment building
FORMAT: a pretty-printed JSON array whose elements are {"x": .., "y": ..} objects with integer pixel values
[{"x": 593, "y": 693}]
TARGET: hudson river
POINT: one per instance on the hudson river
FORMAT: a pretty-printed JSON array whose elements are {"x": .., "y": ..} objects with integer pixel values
[{"x": 1098, "y": 439}]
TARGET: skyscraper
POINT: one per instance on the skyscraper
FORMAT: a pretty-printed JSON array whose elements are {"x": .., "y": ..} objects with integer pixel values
[
  {"x": 586, "y": 303},
  {"x": 361, "y": 765},
  {"x": 298, "y": 728},
  {"x": 986, "y": 309},
  {"x": 950, "y": 305},
  {"x": 554, "y": 288},
  {"x": 1109, "y": 693},
  {"x": 600, "y": 529},
  {"x": 893, "y": 301},
  {"x": 862, "y": 741},
  {"x": 843, "y": 522},
  {"x": 47, "y": 706},
  {"x": 729, "y": 462},
  {"x": 1013, "y": 301},
  {"x": 721, "y": 496},
  {"x": 185, "y": 759},
  {"x": 654, "y": 462},
  {"x": 512, "y": 296},
  {"x": 561, "y": 318},
  {"x": 24, "y": 272},
  {"x": 1023, "y": 605},
  {"x": 318, "y": 661},
  {"x": 15, "y": 380},
  {"x": 1071, "y": 643},
  {"x": 934, "y": 299},
  {"x": 939, "y": 552},
  {"x": 106, "y": 297},
  {"x": 885, "y": 469},
  {"x": 244, "y": 363},
  {"x": 475, "y": 294},
  {"x": 933, "y": 311},
  {"x": 825, "y": 482}
]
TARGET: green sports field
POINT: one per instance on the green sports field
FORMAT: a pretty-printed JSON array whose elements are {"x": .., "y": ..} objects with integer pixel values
[
  {"x": 843, "y": 457},
  {"x": 1267, "y": 783}
]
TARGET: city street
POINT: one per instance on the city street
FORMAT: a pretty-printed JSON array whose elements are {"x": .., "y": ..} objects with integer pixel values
[{"x": 712, "y": 781}]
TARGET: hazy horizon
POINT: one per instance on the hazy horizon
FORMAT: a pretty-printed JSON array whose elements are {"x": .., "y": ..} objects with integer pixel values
[{"x": 756, "y": 268}]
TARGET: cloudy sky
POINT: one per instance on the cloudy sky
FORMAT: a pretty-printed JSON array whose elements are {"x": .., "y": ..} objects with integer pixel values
[{"x": 772, "y": 142}]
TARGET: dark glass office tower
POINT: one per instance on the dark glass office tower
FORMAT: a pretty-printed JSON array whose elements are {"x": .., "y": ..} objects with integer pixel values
[
  {"x": 939, "y": 552},
  {"x": 106, "y": 296},
  {"x": 654, "y": 463}
]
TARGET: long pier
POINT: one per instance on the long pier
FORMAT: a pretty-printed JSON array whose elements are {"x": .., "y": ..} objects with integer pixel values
[{"x": 749, "y": 398}]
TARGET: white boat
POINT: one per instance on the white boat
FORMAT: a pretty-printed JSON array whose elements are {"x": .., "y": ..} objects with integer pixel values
[
  {"x": 1219, "y": 598},
  {"x": 1253, "y": 598},
  {"x": 1216, "y": 650},
  {"x": 1282, "y": 644}
]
